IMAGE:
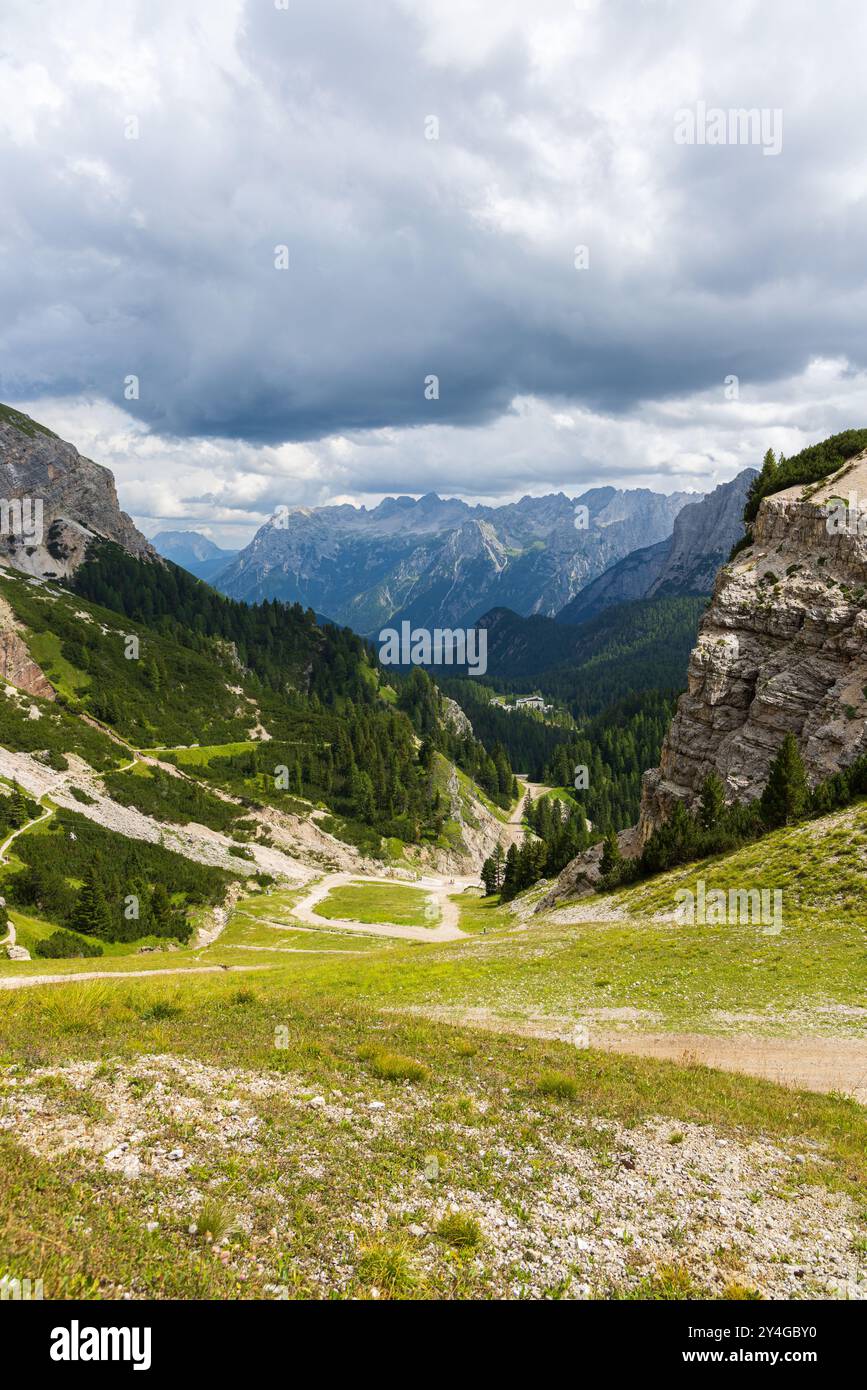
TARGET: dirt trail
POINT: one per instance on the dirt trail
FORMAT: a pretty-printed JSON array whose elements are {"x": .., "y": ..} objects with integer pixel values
[
  {"x": 10, "y": 939},
  {"x": 437, "y": 887},
  {"x": 23, "y": 981},
  {"x": 531, "y": 790},
  {"x": 815, "y": 1064}
]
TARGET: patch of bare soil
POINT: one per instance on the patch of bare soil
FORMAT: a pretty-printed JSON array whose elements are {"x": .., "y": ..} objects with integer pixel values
[{"x": 814, "y": 1063}]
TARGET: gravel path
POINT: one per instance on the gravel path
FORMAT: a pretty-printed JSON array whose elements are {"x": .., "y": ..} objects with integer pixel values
[
  {"x": 816, "y": 1064},
  {"x": 437, "y": 887},
  {"x": 23, "y": 981}
]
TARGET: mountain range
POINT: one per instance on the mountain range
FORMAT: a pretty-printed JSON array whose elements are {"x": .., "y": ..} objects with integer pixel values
[
  {"x": 437, "y": 562},
  {"x": 685, "y": 562},
  {"x": 443, "y": 563}
]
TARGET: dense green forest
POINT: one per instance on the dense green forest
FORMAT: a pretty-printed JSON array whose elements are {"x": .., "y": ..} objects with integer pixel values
[
  {"x": 529, "y": 742},
  {"x": 617, "y": 746},
  {"x": 278, "y": 643},
  {"x": 606, "y": 759},
  {"x": 630, "y": 647},
  {"x": 319, "y": 690},
  {"x": 107, "y": 886}
]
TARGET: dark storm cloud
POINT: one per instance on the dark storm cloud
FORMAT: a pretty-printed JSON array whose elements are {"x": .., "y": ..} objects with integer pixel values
[{"x": 410, "y": 257}]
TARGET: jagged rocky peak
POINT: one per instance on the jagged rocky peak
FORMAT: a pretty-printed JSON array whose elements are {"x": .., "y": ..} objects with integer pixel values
[
  {"x": 782, "y": 648},
  {"x": 704, "y": 532},
  {"x": 55, "y": 501}
]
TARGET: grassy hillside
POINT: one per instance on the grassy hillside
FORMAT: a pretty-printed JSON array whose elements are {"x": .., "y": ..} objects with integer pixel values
[{"x": 158, "y": 696}]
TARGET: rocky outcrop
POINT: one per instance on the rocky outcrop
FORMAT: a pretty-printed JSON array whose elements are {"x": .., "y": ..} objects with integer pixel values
[
  {"x": 54, "y": 501},
  {"x": 582, "y": 874},
  {"x": 16, "y": 665},
  {"x": 781, "y": 649},
  {"x": 455, "y": 719}
]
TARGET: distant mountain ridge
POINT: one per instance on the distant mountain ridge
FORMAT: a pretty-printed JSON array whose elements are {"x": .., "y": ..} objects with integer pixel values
[
  {"x": 193, "y": 552},
  {"x": 443, "y": 562},
  {"x": 686, "y": 562}
]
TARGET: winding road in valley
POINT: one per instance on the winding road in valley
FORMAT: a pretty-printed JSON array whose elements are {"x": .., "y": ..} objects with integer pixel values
[{"x": 436, "y": 886}]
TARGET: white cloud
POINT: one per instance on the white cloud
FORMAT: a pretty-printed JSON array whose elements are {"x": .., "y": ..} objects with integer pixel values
[
  {"x": 409, "y": 256},
  {"x": 693, "y": 442}
]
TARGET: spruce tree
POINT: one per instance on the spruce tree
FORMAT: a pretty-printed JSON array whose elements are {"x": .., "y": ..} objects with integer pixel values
[
  {"x": 499, "y": 860},
  {"x": 91, "y": 914},
  {"x": 162, "y": 914},
  {"x": 611, "y": 856},
  {"x": 17, "y": 808},
  {"x": 762, "y": 484},
  {"x": 511, "y": 875},
  {"x": 489, "y": 876},
  {"x": 712, "y": 801},
  {"x": 786, "y": 795}
]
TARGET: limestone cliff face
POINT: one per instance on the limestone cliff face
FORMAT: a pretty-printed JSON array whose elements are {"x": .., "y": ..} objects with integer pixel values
[
  {"x": 685, "y": 562},
  {"x": 703, "y": 536},
  {"x": 78, "y": 501},
  {"x": 782, "y": 648}
]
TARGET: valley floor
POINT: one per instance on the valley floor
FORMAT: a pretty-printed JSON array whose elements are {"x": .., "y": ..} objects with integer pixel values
[{"x": 503, "y": 1104}]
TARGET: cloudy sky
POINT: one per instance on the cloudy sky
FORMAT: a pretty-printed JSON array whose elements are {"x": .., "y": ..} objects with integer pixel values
[{"x": 156, "y": 157}]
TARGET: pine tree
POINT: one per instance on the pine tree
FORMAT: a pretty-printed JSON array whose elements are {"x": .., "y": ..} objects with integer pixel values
[
  {"x": 511, "y": 875},
  {"x": 786, "y": 795},
  {"x": 489, "y": 876},
  {"x": 162, "y": 914},
  {"x": 17, "y": 808},
  {"x": 91, "y": 914},
  {"x": 499, "y": 861},
  {"x": 611, "y": 856},
  {"x": 712, "y": 801}
]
